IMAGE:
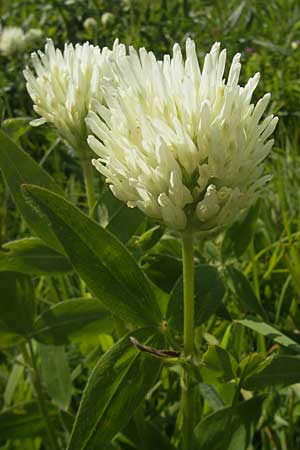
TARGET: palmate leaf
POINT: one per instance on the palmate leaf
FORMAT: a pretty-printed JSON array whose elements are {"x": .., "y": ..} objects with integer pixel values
[
  {"x": 104, "y": 264},
  {"x": 18, "y": 168},
  {"x": 117, "y": 385}
]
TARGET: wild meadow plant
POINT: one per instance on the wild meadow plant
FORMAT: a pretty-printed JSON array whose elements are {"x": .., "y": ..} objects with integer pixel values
[{"x": 186, "y": 146}]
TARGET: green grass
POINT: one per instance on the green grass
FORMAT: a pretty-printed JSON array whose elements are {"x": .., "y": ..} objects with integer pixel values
[{"x": 268, "y": 36}]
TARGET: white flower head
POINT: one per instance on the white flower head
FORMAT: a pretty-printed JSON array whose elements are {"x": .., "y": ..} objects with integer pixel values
[
  {"x": 64, "y": 84},
  {"x": 182, "y": 144},
  {"x": 12, "y": 41}
]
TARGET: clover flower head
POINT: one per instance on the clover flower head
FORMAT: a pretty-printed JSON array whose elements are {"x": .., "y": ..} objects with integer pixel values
[
  {"x": 182, "y": 144},
  {"x": 12, "y": 41},
  {"x": 64, "y": 84}
]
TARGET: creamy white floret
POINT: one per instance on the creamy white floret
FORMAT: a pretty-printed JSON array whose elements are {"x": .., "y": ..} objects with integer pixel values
[
  {"x": 185, "y": 146},
  {"x": 63, "y": 84},
  {"x": 12, "y": 41}
]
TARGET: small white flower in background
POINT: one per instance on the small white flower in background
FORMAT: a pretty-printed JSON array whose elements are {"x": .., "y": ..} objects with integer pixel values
[
  {"x": 183, "y": 145},
  {"x": 107, "y": 19},
  {"x": 90, "y": 24},
  {"x": 295, "y": 45},
  {"x": 12, "y": 41},
  {"x": 64, "y": 83}
]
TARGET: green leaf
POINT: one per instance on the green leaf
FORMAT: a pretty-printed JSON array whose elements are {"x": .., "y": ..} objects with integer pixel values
[
  {"x": 32, "y": 256},
  {"x": 7, "y": 337},
  {"x": 283, "y": 370},
  {"x": 149, "y": 437},
  {"x": 228, "y": 428},
  {"x": 209, "y": 292},
  {"x": 117, "y": 385},
  {"x": 17, "y": 306},
  {"x": 120, "y": 214},
  {"x": 16, "y": 127},
  {"x": 125, "y": 222},
  {"x": 18, "y": 168},
  {"x": 56, "y": 374},
  {"x": 245, "y": 294},
  {"x": 23, "y": 422},
  {"x": 219, "y": 365},
  {"x": 166, "y": 278},
  {"x": 271, "y": 333},
  {"x": 210, "y": 394},
  {"x": 252, "y": 364},
  {"x": 238, "y": 237},
  {"x": 148, "y": 239},
  {"x": 13, "y": 380},
  {"x": 104, "y": 264},
  {"x": 72, "y": 320}
]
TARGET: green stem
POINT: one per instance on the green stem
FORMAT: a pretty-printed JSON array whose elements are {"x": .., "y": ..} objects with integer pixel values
[
  {"x": 188, "y": 290},
  {"x": 89, "y": 184},
  {"x": 36, "y": 381}
]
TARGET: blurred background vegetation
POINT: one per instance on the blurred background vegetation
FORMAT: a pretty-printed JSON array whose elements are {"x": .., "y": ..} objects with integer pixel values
[{"x": 267, "y": 34}]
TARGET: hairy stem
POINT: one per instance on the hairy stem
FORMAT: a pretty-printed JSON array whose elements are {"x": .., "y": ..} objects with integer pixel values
[
  {"x": 187, "y": 391},
  {"x": 89, "y": 184}
]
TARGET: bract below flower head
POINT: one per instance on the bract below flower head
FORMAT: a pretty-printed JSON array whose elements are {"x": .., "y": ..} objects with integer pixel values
[
  {"x": 185, "y": 146},
  {"x": 64, "y": 84}
]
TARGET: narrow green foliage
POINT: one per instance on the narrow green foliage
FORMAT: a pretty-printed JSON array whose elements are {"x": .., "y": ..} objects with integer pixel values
[
  {"x": 117, "y": 385},
  {"x": 56, "y": 374},
  {"x": 72, "y": 320},
  {"x": 209, "y": 292},
  {"x": 100, "y": 259},
  {"x": 17, "y": 305},
  {"x": 244, "y": 293},
  {"x": 283, "y": 370},
  {"x": 272, "y": 333},
  {"x": 219, "y": 365},
  {"x": 228, "y": 427},
  {"x": 18, "y": 168},
  {"x": 238, "y": 237},
  {"x": 23, "y": 421},
  {"x": 32, "y": 256}
]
